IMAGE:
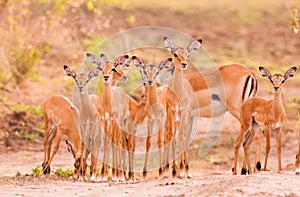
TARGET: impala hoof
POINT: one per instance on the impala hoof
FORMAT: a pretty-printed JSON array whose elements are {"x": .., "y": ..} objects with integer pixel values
[
  {"x": 144, "y": 173},
  {"x": 244, "y": 171},
  {"x": 174, "y": 173},
  {"x": 166, "y": 176},
  {"x": 114, "y": 179},
  {"x": 93, "y": 179},
  {"x": 258, "y": 166},
  {"x": 189, "y": 176},
  {"x": 160, "y": 171},
  {"x": 181, "y": 175},
  {"x": 122, "y": 180},
  {"x": 104, "y": 180},
  {"x": 297, "y": 171}
]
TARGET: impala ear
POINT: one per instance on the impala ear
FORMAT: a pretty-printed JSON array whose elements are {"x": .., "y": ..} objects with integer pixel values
[
  {"x": 194, "y": 45},
  {"x": 290, "y": 73},
  {"x": 123, "y": 61},
  {"x": 169, "y": 44},
  {"x": 94, "y": 73},
  {"x": 103, "y": 58},
  {"x": 69, "y": 71},
  {"x": 265, "y": 73},
  {"x": 93, "y": 59},
  {"x": 165, "y": 64},
  {"x": 138, "y": 62}
]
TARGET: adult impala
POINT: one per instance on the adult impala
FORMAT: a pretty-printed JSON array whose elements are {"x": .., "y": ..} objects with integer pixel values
[
  {"x": 215, "y": 90},
  {"x": 61, "y": 119},
  {"x": 269, "y": 112}
]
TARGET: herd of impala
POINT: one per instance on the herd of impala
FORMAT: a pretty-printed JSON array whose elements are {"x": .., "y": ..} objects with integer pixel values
[{"x": 169, "y": 110}]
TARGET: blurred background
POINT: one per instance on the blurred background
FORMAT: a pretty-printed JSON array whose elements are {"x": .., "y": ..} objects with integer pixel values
[{"x": 38, "y": 37}]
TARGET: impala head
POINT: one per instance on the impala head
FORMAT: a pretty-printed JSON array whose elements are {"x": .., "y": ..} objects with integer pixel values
[
  {"x": 150, "y": 71},
  {"x": 111, "y": 70},
  {"x": 81, "y": 79},
  {"x": 277, "y": 79},
  {"x": 181, "y": 54}
]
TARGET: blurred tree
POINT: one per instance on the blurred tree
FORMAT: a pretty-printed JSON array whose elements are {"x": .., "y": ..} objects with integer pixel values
[{"x": 36, "y": 31}]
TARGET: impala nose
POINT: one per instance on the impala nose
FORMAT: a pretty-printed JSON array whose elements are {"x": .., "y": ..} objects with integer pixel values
[
  {"x": 106, "y": 78},
  {"x": 184, "y": 65},
  {"x": 276, "y": 88},
  {"x": 150, "y": 82}
]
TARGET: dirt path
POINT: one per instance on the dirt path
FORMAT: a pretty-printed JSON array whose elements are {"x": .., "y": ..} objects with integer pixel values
[
  {"x": 209, "y": 180},
  {"x": 223, "y": 184}
]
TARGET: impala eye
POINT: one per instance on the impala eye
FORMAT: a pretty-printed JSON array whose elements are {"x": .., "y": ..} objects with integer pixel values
[
  {"x": 282, "y": 81},
  {"x": 175, "y": 55}
]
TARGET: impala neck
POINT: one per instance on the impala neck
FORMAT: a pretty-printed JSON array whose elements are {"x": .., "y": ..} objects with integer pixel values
[
  {"x": 151, "y": 94},
  {"x": 107, "y": 97},
  {"x": 85, "y": 107},
  {"x": 277, "y": 103},
  {"x": 178, "y": 80}
]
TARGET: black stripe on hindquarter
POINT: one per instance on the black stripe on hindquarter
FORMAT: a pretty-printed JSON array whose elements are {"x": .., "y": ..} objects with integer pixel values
[{"x": 249, "y": 78}]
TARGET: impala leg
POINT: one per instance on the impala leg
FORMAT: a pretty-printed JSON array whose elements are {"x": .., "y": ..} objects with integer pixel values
[
  {"x": 46, "y": 144},
  {"x": 131, "y": 149},
  {"x": 103, "y": 170},
  {"x": 245, "y": 126},
  {"x": 249, "y": 137},
  {"x": 258, "y": 139},
  {"x": 182, "y": 151},
  {"x": 278, "y": 140},
  {"x": 50, "y": 134},
  {"x": 107, "y": 144},
  {"x": 83, "y": 159},
  {"x": 122, "y": 149},
  {"x": 95, "y": 147},
  {"x": 166, "y": 153},
  {"x": 267, "y": 146},
  {"x": 54, "y": 149},
  {"x": 148, "y": 145},
  {"x": 160, "y": 146},
  {"x": 236, "y": 151},
  {"x": 297, "y": 163},
  {"x": 174, "y": 167},
  {"x": 114, "y": 151},
  {"x": 187, "y": 141}
]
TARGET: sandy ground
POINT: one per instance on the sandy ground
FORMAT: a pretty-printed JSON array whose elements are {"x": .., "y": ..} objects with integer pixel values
[{"x": 211, "y": 178}]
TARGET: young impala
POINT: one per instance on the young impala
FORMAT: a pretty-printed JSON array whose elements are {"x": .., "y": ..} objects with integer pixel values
[
  {"x": 162, "y": 109},
  {"x": 89, "y": 131},
  {"x": 269, "y": 112},
  {"x": 111, "y": 107}
]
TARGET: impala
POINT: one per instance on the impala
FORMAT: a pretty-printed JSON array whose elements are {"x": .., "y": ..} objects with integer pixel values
[
  {"x": 269, "y": 112},
  {"x": 162, "y": 109},
  {"x": 88, "y": 120},
  {"x": 215, "y": 91},
  {"x": 111, "y": 107},
  {"x": 61, "y": 119}
]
